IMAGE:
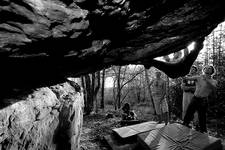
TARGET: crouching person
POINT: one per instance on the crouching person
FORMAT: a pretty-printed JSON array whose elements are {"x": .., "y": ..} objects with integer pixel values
[{"x": 127, "y": 113}]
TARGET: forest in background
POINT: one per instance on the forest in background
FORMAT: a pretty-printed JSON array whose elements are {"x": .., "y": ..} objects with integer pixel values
[{"x": 130, "y": 83}]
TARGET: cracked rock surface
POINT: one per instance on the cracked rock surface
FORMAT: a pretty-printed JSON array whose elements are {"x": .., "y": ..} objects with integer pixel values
[
  {"x": 45, "y": 119},
  {"x": 44, "y": 41}
]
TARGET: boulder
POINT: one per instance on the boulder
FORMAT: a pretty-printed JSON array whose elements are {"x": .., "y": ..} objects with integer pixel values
[{"x": 48, "y": 118}]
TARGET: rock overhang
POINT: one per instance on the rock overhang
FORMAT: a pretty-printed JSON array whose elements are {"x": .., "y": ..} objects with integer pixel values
[{"x": 42, "y": 42}]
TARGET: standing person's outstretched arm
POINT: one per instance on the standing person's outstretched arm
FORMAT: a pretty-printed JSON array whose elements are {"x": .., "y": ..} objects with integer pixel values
[{"x": 192, "y": 77}]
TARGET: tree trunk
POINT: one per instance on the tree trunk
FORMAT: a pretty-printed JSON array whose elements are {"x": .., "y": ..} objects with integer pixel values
[
  {"x": 149, "y": 90},
  {"x": 89, "y": 102},
  {"x": 91, "y": 85},
  {"x": 207, "y": 51},
  {"x": 103, "y": 89},
  {"x": 115, "y": 93},
  {"x": 118, "y": 88},
  {"x": 167, "y": 93},
  {"x": 220, "y": 45},
  {"x": 84, "y": 91},
  {"x": 96, "y": 89},
  {"x": 93, "y": 90},
  {"x": 143, "y": 88},
  {"x": 213, "y": 55}
]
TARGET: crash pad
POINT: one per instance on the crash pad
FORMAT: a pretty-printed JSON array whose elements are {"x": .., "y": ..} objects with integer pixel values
[
  {"x": 179, "y": 137},
  {"x": 129, "y": 122},
  {"x": 128, "y": 131},
  {"x": 117, "y": 143}
]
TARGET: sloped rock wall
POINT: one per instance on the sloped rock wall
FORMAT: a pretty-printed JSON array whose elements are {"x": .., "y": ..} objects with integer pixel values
[{"x": 47, "y": 119}]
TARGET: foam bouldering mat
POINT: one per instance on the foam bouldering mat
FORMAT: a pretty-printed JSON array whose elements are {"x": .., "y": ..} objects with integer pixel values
[
  {"x": 125, "y": 138},
  {"x": 129, "y": 122},
  {"x": 116, "y": 143},
  {"x": 128, "y": 131},
  {"x": 177, "y": 137}
]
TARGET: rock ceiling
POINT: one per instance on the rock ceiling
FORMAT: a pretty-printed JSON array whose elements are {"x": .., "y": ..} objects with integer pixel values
[{"x": 44, "y": 41}]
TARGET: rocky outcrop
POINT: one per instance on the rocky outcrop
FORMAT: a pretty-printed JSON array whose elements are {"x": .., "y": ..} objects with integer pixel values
[
  {"x": 44, "y": 41},
  {"x": 45, "y": 119}
]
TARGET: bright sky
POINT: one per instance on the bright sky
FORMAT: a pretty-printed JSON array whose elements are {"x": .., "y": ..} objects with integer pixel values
[
  {"x": 109, "y": 82},
  {"x": 190, "y": 48}
]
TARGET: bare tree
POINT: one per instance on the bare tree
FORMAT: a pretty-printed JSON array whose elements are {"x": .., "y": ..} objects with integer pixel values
[
  {"x": 91, "y": 85},
  {"x": 96, "y": 86},
  {"x": 149, "y": 89},
  {"x": 206, "y": 60},
  {"x": 88, "y": 92},
  {"x": 123, "y": 76},
  {"x": 103, "y": 90}
]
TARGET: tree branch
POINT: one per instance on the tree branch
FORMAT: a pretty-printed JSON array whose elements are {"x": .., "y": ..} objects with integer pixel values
[{"x": 131, "y": 79}]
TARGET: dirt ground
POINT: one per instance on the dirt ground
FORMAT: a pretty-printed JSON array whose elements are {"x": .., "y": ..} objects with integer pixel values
[{"x": 96, "y": 126}]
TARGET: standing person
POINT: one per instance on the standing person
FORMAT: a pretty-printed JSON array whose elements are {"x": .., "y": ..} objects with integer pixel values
[
  {"x": 188, "y": 87},
  {"x": 159, "y": 99},
  {"x": 205, "y": 86}
]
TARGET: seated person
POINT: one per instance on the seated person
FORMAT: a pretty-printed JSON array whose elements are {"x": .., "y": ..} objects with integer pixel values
[{"x": 127, "y": 113}]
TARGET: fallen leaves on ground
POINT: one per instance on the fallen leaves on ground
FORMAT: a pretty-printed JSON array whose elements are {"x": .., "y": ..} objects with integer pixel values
[{"x": 95, "y": 127}]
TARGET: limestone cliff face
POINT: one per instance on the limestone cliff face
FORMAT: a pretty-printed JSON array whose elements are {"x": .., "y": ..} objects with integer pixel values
[
  {"x": 44, "y": 41},
  {"x": 46, "y": 119}
]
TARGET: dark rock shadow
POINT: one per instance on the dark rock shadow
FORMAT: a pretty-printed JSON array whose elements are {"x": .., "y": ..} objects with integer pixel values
[
  {"x": 62, "y": 135},
  {"x": 8, "y": 98}
]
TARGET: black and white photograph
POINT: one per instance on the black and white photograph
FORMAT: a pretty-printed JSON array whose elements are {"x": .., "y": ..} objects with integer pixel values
[{"x": 112, "y": 74}]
